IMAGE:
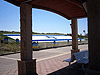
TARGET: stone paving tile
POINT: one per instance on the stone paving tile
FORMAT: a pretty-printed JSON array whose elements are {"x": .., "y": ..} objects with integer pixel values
[
  {"x": 48, "y": 66},
  {"x": 56, "y": 63},
  {"x": 38, "y": 68},
  {"x": 16, "y": 72},
  {"x": 7, "y": 66},
  {"x": 12, "y": 71},
  {"x": 61, "y": 62},
  {"x": 43, "y": 68},
  {"x": 52, "y": 66}
]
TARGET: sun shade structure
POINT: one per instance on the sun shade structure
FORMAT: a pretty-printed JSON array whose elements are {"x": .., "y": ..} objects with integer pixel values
[
  {"x": 71, "y": 10},
  {"x": 66, "y": 8}
]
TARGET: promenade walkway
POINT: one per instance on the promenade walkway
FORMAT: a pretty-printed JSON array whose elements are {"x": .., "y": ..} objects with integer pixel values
[{"x": 50, "y": 66}]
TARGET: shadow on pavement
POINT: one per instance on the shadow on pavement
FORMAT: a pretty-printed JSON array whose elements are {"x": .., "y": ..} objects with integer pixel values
[{"x": 68, "y": 71}]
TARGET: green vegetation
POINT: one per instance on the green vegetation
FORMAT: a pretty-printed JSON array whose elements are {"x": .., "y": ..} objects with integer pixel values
[
  {"x": 9, "y": 32},
  {"x": 34, "y": 33},
  {"x": 12, "y": 46},
  {"x": 3, "y": 36},
  {"x": 80, "y": 36},
  {"x": 54, "y": 34},
  {"x": 8, "y": 48}
]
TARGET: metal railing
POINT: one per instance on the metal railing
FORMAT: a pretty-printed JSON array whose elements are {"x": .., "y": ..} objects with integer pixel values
[{"x": 57, "y": 44}]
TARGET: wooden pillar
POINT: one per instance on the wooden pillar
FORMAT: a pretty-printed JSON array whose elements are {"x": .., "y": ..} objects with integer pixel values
[
  {"x": 74, "y": 36},
  {"x": 0, "y": 42},
  {"x": 27, "y": 65},
  {"x": 93, "y": 13}
]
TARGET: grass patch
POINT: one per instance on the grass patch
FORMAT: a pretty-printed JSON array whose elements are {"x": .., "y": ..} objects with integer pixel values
[{"x": 8, "y": 48}]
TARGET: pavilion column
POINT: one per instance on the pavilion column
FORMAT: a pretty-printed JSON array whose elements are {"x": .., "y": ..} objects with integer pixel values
[
  {"x": 74, "y": 36},
  {"x": 27, "y": 65},
  {"x": 93, "y": 13}
]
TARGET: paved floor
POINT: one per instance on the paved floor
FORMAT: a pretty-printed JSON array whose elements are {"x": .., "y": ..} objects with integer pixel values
[{"x": 50, "y": 65}]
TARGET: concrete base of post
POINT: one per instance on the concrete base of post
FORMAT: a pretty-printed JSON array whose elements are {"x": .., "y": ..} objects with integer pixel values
[
  {"x": 74, "y": 51},
  {"x": 27, "y": 67},
  {"x": 91, "y": 72}
]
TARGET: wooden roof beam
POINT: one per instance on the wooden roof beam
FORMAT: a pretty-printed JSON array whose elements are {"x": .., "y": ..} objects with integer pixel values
[{"x": 76, "y": 3}]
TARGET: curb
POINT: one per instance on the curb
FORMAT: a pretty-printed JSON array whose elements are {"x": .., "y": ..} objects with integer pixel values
[{"x": 9, "y": 53}]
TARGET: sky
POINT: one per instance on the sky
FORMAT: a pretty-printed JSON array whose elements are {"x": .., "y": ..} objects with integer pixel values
[{"x": 42, "y": 21}]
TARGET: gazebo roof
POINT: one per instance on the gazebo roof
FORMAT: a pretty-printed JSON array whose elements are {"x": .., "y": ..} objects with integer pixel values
[{"x": 66, "y": 8}]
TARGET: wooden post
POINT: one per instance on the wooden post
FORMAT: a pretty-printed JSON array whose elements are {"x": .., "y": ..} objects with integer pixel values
[
  {"x": 74, "y": 36},
  {"x": 27, "y": 65},
  {"x": 93, "y": 13},
  {"x": 0, "y": 42}
]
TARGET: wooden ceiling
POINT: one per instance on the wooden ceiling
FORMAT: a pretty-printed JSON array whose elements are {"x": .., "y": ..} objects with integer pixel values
[{"x": 66, "y": 8}]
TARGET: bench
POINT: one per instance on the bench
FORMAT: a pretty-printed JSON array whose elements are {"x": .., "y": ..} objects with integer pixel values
[{"x": 80, "y": 57}]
